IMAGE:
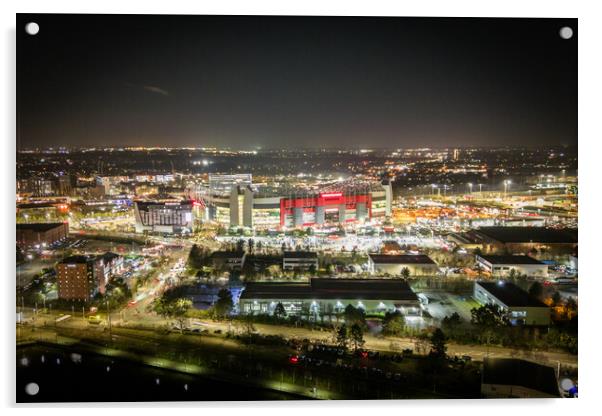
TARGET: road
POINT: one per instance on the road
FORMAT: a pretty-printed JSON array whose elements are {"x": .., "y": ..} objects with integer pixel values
[
  {"x": 29, "y": 269},
  {"x": 396, "y": 344}
]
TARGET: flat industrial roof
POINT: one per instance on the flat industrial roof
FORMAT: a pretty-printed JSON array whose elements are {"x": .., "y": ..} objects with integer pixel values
[
  {"x": 300, "y": 254},
  {"x": 510, "y": 294},
  {"x": 515, "y": 372},
  {"x": 531, "y": 234},
  {"x": 227, "y": 254},
  {"x": 511, "y": 259},
  {"x": 28, "y": 205},
  {"x": 401, "y": 259},
  {"x": 326, "y": 288},
  {"x": 75, "y": 259},
  {"x": 263, "y": 259},
  {"x": 40, "y": 226}
]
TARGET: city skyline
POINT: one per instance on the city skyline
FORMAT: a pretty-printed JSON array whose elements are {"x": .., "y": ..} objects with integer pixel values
[
  {"x": 290, "y": 82},
  {"x": 295, "y": 207}
]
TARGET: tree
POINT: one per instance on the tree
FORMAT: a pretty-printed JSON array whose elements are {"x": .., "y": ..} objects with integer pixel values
[
  {"x": 279, "y": 311},
  {"x": 357, "y": 336},
  {"x": 571, "y": 306},
  {"x": 240, "y": 245},
  {"x": 405, "y": 273},
  {"x": 248, "y": 328},
  {"x": 487, "y": 316},
  {"x": 536, "y": 290},
  {"x": 354, "y": 315},
  {"x": 438, "y": 347},
  {"x": 451, "y": 322},
  {"x": 172, "y": 308},
  {"x": 223, "y": 306},
  {"x": 556, "y": 299},
  {"x": 488, "y": 319},
  {"x": 393, "y": 324},
  {"x": 342, "y": 336},
  {"x": 248, "y": 269},
  {"x": 197, "y": 257}
]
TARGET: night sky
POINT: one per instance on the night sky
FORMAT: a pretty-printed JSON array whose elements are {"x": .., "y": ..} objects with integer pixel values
[{"x": 295, "y": 82}]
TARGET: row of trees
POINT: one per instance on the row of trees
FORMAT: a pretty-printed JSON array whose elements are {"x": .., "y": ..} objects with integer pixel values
[
  {"x": 350, "y": 336},
  {"x": 172, "y": 305},
  {"x": 489, "y": 325}
]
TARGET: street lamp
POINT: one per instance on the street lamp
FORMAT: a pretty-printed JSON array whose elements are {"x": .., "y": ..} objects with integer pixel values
[
  {"x": 469, "y": 187},
  {"x": 480, "y": 188},
  {"x": 506, "y": 183}
]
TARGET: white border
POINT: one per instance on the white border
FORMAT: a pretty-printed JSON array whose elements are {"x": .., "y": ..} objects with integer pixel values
[{"x": 590, "y": 115}]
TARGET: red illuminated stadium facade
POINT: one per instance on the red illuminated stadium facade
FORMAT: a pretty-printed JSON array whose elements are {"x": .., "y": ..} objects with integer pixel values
[{"x": 325, "y": 208}]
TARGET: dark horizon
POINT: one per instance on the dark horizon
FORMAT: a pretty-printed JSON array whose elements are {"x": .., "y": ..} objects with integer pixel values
[
  {"x": 294, "y": 82},
  {"x": 35, "y": 149}
]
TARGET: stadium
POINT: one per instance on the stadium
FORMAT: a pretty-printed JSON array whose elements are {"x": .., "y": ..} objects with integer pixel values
[{"x": 234, "y": 201}]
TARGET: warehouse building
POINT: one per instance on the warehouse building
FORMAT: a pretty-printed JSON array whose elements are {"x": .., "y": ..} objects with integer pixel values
[
  {"x": 518, "y": 306},
  {"x": 299, "y": 260},
  {"x": 503, "y": 266},
  {"x": 41, "y": 234},
  {"x": 330, "y": 296},
  {"x": 416, "y": 265},
  {"x": 524, "y": 239},
  {"x": 229, "y": 260}
]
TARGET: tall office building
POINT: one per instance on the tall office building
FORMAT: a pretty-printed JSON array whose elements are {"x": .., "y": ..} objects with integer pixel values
[{"x": 79, "y": 278}]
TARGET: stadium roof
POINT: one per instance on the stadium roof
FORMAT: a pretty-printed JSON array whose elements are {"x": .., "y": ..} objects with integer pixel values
[
  {"x": 401, "y": 259},
  {"x": 324, "y": 288},
  {"x": 510, "y": 294},
  {"x": 515, "y": 372},
  {"x": 530, "y": 235},
  {"x": 511, "y": 260}
]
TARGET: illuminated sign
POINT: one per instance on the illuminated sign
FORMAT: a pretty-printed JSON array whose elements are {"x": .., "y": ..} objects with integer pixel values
[{"x": 332, "y": 195}]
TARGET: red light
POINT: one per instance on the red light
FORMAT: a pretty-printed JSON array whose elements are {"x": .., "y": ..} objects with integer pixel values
[
  {"x": 364, "y": 354},
  {"x": 294, "y": 359}
]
